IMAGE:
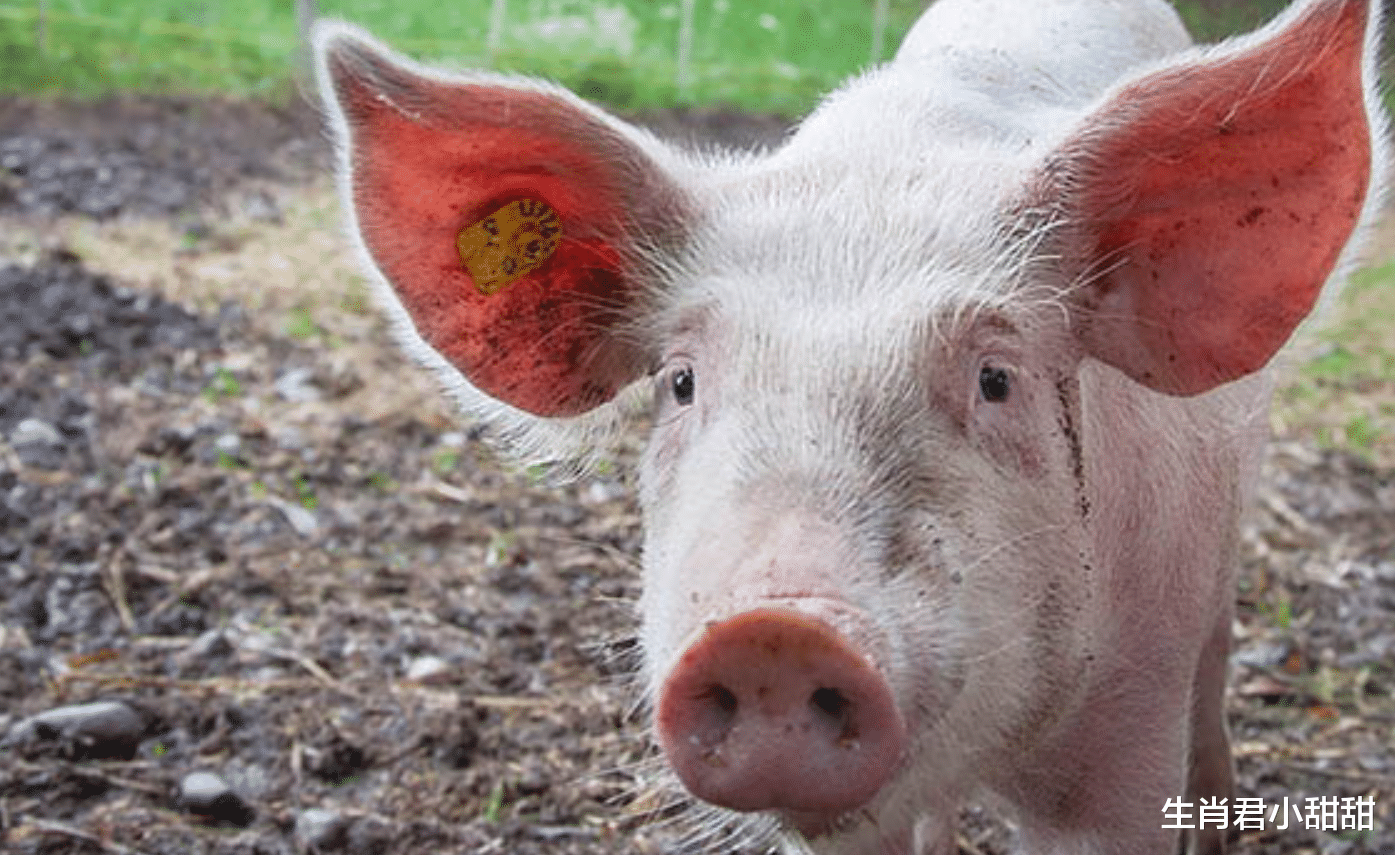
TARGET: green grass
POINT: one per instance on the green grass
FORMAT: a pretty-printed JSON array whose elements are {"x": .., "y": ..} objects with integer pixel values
[
  {"x": 301, "y": 325},
  {"x": 774, "y": 55},
  {"x": 224, "y": 385},
  {"x": 1344, "y": 393},
  {"x": 1213, "y": 21},
  {"x": 90, "y": 47},
  {"x": 758, "y": 54}
]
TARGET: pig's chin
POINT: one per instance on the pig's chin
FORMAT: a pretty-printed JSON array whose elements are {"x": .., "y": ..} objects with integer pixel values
[
  {"x": 854, "y": 831},
  {"x": 814, "y": 826}
]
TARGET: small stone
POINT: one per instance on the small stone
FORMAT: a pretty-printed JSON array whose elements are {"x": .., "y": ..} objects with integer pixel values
[
  {"x": 212, "y": 643},
  {"x": 304, "y": 521},
  {"x": 41, "y": 455},
  {"x": 320, "y": 830},
  {"x": 199, "y": 788},
  {"x": 207, "y": 795},
  {"x": 600, "y": 492},
  {"x": 429, "y": 669},
  {"x": 104, "y": 730},
  {"x": 1260, "y": 654},
  {"x": 32, "y": 430},
  {"x": 229, "y": 443},
  {"x": 297, "y": 386}
]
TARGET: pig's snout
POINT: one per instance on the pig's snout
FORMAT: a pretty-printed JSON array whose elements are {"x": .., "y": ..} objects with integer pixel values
[{"x": 772, "y": 709}]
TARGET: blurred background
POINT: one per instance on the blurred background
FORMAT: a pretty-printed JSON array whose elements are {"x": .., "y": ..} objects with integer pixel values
[{"x": 768, "y": 55}]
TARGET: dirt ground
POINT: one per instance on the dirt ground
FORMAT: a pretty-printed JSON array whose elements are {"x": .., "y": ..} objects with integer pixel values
[{"x": 231, "y": 511}]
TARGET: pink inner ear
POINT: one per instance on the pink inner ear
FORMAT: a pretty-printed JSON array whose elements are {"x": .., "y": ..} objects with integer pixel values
[
  {"x": 430, "y": 159},
  {"x": 1219, "y": 198}
]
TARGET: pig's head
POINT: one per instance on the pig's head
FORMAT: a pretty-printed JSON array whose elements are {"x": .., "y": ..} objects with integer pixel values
[{"x": 872, "y": 561}]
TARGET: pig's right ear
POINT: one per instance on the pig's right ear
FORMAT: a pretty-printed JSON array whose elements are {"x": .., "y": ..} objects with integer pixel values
[
  {"x": 513, "y": 223},
  {"x": 1201, "y": 208}
]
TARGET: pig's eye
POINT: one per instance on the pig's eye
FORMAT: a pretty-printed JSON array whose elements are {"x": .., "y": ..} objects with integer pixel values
[
  {"x": 684, "y": 386},
  {"x": 994, "y": 384}
]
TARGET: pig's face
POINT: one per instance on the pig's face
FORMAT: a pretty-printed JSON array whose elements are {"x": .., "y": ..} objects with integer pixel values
[{"x": 884, "y": 453}]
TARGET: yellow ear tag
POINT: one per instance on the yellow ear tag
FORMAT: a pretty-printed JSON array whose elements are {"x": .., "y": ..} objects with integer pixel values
[{"x": 509, "y": 243}]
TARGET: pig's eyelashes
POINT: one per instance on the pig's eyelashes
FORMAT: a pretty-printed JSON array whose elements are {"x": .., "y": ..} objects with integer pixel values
[{"x": 994, "y": 384}]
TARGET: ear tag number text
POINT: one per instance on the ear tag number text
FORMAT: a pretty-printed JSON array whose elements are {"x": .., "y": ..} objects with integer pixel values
[{"x": 509, "y": 243}]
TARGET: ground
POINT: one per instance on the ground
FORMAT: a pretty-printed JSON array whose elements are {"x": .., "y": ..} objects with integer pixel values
[{"x": 230, "y": 505}]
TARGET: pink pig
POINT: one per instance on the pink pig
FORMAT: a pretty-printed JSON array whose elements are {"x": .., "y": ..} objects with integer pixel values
[{"x": 956, "y": 395}]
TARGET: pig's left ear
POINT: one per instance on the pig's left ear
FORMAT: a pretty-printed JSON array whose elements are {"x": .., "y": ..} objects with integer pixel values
[
  {"x": 513, "y": 223},
  {"x": 1203, "y": 206}
]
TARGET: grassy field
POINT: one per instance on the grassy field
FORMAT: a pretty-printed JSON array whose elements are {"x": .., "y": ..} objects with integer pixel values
[
  {"x": 768, "y": 55},
  {"x": 1341, "y": 388},
  {"x": 757, "y": 54}
]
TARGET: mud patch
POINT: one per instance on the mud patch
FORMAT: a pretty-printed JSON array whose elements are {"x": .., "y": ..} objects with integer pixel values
[{"x": 153, "y": 156}]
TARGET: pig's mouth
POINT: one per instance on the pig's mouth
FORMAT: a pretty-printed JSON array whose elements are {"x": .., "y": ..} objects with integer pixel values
[
  {"x": 776, "y": 710},
  {"x": 813, "y": 826}
]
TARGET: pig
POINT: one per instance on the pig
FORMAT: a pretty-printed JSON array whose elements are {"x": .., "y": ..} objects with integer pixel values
[{"x": 954, "y": 397}]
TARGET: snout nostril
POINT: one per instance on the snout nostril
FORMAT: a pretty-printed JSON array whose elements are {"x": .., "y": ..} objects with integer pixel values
[
  {"x": 722, "y": 698},
  {"x": 716, "y": 708},
  {"x": 831, "y": 706}
]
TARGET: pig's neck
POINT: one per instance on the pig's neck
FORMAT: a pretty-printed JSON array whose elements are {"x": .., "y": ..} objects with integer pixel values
[{"x": 1190, "y": 457}]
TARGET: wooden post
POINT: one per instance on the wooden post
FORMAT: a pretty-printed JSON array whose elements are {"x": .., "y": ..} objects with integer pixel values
[
  {"x": 305, "y": 15},
  {"x": 879, "y": 20},
  {"x": 43, "y": 28},
  {"x": 685, "y": 49},
  {"x": 495, "y": 37}
]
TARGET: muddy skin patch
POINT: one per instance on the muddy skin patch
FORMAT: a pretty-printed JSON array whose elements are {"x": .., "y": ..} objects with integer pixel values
[
  {"x": 1072, "y": 434},
  {"x": 509, "y": 243}
]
